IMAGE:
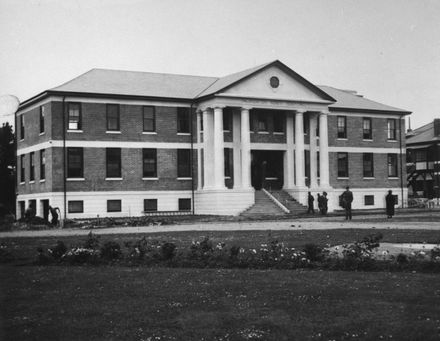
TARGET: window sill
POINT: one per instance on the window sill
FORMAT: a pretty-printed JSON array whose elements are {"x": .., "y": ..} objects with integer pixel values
[
  {"x": 114, "y": 179},
  {"x": 368, "y": 178},
  {"x": 263, "y": 132},
  {"x": 74, "y": 131},
  {"x": 41, "y": 134},
  {"x": 391, "y": 140},
  {"x": 42, "y": 180},
  {"x": 271, "y": 178},
  {"x": 184, "y": 134},
  {"x": 148, "y": 179},
  {"x": 32, "y": 181},
  {"x": 342, "y": 139},
  {"x": 21, "y": 140},
  {"x": 393, "y": 178},
  {"x": 75, "y": 179},
  {"x": 226, "y": 131},
  {"x": 278, "y": 133},
  {"x": 184, "y": 178},
  {"x": 22, "y": 183},
  {"x": 113, "y": 132},
  {"x": 343, "y": 178},
  {"x": 149, "y": 133},
  {"x": 367, "y": 140},
  {"x": 227, "y": 177}
]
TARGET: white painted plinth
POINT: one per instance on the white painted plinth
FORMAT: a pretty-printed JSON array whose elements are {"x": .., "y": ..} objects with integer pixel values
[{"x": 223, "y": 202}]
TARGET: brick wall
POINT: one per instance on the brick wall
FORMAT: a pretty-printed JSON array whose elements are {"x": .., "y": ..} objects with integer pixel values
[
  {"x": 36, "y": 186},
  {"x": 32, "y": 134}
]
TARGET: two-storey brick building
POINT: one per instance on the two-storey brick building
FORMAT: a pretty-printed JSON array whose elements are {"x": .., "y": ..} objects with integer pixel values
[{"x": 119, "y": 143}]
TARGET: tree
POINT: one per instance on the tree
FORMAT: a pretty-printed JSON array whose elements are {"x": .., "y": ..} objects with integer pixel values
[{"x": 7, "y": 168}]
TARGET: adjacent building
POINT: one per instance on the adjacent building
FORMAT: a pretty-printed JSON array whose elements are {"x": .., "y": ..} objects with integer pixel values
[{"x": 120, "y": 143}]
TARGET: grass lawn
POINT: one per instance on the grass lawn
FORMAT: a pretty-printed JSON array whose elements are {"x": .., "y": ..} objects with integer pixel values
[{"x": 130, "y": 303}]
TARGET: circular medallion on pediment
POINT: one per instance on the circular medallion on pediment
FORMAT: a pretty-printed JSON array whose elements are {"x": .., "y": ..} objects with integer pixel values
[{"x": 274, "y": 82}]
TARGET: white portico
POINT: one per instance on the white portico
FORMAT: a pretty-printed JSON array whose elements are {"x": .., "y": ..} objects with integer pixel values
[{"x": 275, "y": 91}]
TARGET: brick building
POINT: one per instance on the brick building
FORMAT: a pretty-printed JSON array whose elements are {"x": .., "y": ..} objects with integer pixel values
[{"x": 119, "y": 143}]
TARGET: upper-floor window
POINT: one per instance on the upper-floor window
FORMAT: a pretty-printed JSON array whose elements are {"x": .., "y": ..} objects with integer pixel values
[
  {"x": 113, "y": 117},
  {"x": 368, "y": 165},
  {"x": 149, "y": 157},
  {"x": 278, "y": 122},
  {"x": 74, "y": 119},
  {"x": 113, "y": 162},
  {"x": 342, "y": 127},
  {"x": 41, "y": 119},
  {"x": 149, "y": 119},
  {"x": 367, "y": 129},
  {"x": 262, "y": 122},
  {"x": 342, "y": 165},
  {"x": 252, "y": 119},
  {"x": 227, "y": 119},
  {"x": 183, "y": 163},
  {"x": 306, "y": 124},
  {"x": 75, "y": 166},
  {"x": 32, "y": 166},
  {"x": 183, "y": 124},
  {"x": 21, "y": 119},
  {"x": 42, "y": 164},
  {"x": 391, "y": 129},
  {"x": 22, "y": 169},
  {"x": 392, "y": 165}
]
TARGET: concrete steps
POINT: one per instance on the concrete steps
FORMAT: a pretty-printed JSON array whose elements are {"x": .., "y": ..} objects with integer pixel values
[
  {"x": 291, "y": 204},
  {"x": 263, "y": 206}
]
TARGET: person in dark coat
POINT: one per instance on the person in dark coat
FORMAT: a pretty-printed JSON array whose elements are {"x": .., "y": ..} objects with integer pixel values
[
  {"x": 310, "y": 201},
  {"x": 347, "y": 199},
  {"x": 324, "y": 203},
  {"x": 390, "y": 202},
  {"x": 320, "y": 203},
  {"x": 54, "y": 213}
]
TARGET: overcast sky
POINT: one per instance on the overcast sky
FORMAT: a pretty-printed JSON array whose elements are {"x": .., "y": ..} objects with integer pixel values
[{"x": 387, "y": 50}]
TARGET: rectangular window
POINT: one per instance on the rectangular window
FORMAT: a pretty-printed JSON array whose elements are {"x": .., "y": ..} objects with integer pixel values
[
  {"x": 114, "y": 205},
  {"x": 366, "y": 128},
  {"x": 227, "y": 119},
  {"x": 41, "y": 119},
  {"x": 76, "y": 206},
  {"x": 183, "y": 120},
  {"x": 113, "y": 117},
  {"x": 306, "y": 124},
  {"x": 22, "y": 170},
  {"x": 342, "y": 165},
  {"x": 42, "y": 164},
  {"x": 369, "y": 200},
  {"x": 368, "y": 165},
  {"x": 22, "y": 207},
  {"x": 252, "y": 118},
  {"x": 183, "y": 163},
  {"x": 149, "y": 161},
  {"x": 342, "y": 127},
  {"x": 74, "y": 119},
  {"x": 113, "y": 162},
  {"x": 262, "y": 122},
  {"x": 228, "y": 162},
  {"x": 278, "y": 122},
  {"x": 75, "y": 162},
  {"x": 32, "y": 167},
  {"x": 184, "y": 204},
  {"x": 150, "y": 205},
  {"x": 392, "y": 165},
  {"x": 391, "y": 129},
  {"x": 421, "y": 155},
  {"x": 21, "y": 119},
  {"x": 149, "y": 118}
]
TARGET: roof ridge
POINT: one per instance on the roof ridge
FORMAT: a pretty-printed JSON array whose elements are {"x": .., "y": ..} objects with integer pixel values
[{"x": 155, "y": 73}]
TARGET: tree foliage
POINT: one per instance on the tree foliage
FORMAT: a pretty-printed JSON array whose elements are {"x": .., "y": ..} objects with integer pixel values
[{"x": 7, "y": 169}]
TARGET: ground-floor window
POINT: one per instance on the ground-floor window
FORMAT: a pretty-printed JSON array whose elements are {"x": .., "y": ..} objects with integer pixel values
[
  {"x": 369, "y": 200},
  {"x": 114, "y": 205},
  {"x": 76, "y": 206},
  {"x": 184, "y": 204},
  {"x": 150, "y": 205}
]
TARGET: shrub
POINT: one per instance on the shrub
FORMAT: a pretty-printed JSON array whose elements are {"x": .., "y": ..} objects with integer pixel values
[
  {"x": 58, "y": 250},
  {"x": 435, "y": 254},
  {"x": 111, "y": 251},
  {"x": 402, "y": 258},
  {"x": 92, "y": 241},
  {"x": 168, "y": 250},
  {"x": 234, "y": 251},
  {"x": 314, "y": 252},
  {"x": 79, "y": 255},
  {"x": 42, "y": 258},
  {"x": 5, "y": 254}
]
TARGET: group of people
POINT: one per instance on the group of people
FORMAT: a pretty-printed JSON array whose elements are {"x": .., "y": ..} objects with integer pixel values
[
  {"x": 322, "y": 203},
  {"x": 345, "y": 201}
]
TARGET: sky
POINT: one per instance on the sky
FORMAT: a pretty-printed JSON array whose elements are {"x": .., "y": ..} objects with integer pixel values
[{"x": 387, "y": 50}]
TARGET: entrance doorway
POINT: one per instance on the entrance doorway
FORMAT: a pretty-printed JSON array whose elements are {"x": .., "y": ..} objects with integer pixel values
[
  {"x": 45, "y": 208},
  {"x": 267, "y": 169}
]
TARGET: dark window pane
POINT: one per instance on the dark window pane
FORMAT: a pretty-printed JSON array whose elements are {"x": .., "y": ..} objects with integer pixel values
[
  {"x": 76, "y": 206},
  {"x": 368, "y": 165},
  {"x": 184, "y": 204},
  {"x": 228, "y": 154},
  {"x": 41, "y": 119},
  {"x": 22, "y": 169},
  {"x": 369, "y": 200},
  {"x": 391, "y": 128},
  {"x": 183, "y": 163},
  {"x": 74, "y": 162},
  {"x": 227, "y": 119},
  {"x": 183, "y": 120},
  {"x": 150, "y": 205},
  {"x": 74, "y": 112},
  {"x": 342, "y": 127},
  {"x": 32, "y": 166},
  {"x": 21, "y": 119},
  {"x": 42, "y": 164},
  {"x": 342, "y": 165},
  {"x": 149, "y": 118},
  {"x": 392, "y": 165},
  {"x": 262, "y": 122},
  {"x": 114, "y": 205},
  {"x": 149, "y": 163},
  {"x": 278, "y": 122},
  {"x": 113, "y": 162},
  {"x": 367, "y": 131},
  {"x": 113, "y": 117}
]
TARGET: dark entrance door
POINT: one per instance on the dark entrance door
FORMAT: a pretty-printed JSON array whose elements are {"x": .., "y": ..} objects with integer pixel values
[
  {"x": 45, "y": 204},
  {"x": 267, "y": 169}
]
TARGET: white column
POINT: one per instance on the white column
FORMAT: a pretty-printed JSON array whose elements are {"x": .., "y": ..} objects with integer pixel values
[
  {"x": 289, "y": 175},
  {"x": 219, "y": 153},
  {"x": 323, "y": 150},
  {"x": 313, "y": 158},
  {"x": 199, "y": 150},
  {"x": 208, "y": 152},
  {"x": 236, "y": 139},
  {"x": 245, "y": 149},
  {"x": 299, "y": 149}
]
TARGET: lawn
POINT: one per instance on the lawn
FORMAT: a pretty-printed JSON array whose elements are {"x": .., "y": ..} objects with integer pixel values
[{"x": 130, "y": 303}]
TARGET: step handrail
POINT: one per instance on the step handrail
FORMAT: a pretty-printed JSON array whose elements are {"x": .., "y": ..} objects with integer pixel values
[{"x": 275, "y": 201}]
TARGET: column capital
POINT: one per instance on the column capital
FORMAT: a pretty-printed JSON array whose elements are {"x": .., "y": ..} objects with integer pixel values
[
  {"x": 300, "y": 111},
  {"x": 246, "y": 107},
  {"x": 218, "y": 106},
  {"x": 324, "y": 112}
]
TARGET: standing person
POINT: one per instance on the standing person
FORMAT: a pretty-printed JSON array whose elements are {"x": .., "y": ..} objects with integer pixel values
[
  {"x": 324, "y": 203},
  {"x": 347, "y": 199},
  {"x": 390, "y": 202},
  {"x": 54, "y": 214},
  {"x": 310, "y": 201},
  {"x": 320, "y": 203}
]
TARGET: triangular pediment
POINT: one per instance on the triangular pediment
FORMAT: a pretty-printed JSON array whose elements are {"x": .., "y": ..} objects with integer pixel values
[{"x": 276, "y": 81}]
